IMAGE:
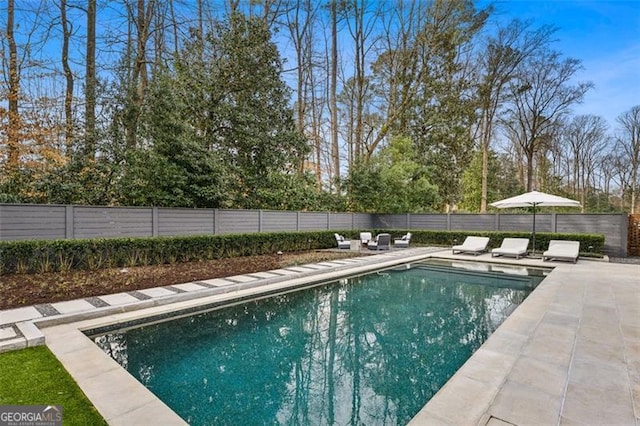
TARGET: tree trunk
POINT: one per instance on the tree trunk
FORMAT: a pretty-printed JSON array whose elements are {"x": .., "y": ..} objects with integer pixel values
[
  {"x": 13, "y": 132},
  {"x": 90, "y": 83},
  {"x": 68, "y": 96},
  {"x": 529, "y": 155},
  {"x": 139, "y": 75},
  {"x": 333, "y": 107}
]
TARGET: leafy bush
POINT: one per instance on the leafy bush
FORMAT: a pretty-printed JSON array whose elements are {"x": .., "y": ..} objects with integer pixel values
[{"x": 63, "y": 255}]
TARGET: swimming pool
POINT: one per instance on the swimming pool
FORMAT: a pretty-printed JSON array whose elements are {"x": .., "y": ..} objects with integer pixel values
[{"x": 370, "y": 349}]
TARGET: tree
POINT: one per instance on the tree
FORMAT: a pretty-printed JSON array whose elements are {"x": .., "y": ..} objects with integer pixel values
[
  {"x": 90, "y": 82},
  {"x": 443, "y": 111},
  {"x": 393, "y": 181},
  {"x": 499, "y": 63},
  {"x": 333, "y": 89},
  {"x": 585, "y": 138},
  {"x": 13, "y": 128},
  {"x": 501, "y": 178},
  {"x": 540, "y": 97},
  {"x": 238, "y": 106},
  {"x": 628, "y": 139},
  {"x": 68, "y": 96}
]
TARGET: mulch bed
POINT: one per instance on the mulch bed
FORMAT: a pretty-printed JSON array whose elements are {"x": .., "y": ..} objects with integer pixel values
[{"x": 18, "y": 290}]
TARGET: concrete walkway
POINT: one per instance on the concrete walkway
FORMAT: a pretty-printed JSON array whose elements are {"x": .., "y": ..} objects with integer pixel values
[{"x": 570, "y": 354}]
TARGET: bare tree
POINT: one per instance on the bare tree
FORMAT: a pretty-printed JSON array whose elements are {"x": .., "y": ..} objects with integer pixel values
[
  {"x": 90, "y": 82},
  {"x": 499, "y": 63},
  {"x": 585, "y": 139},
  {"x": 140, "y": 19},
  {"x": 541, "y": 96},
  {"x": 360, "y": 30},
  {"x": 333, "y": 89},
  {"x": 13, "y": 131},
  {"x": 68, "y": 96},
  {"x": 628, "y": 139}
]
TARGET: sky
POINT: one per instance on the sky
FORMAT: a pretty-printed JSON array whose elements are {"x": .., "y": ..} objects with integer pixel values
[{"x": 604, "y": 35}]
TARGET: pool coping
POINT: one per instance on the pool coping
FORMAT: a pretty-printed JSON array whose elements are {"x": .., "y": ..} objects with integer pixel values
[{"x": 530, "y": 370}]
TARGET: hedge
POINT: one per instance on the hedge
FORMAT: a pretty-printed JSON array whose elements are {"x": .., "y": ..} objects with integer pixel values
[{"x": 40, "y": 256}]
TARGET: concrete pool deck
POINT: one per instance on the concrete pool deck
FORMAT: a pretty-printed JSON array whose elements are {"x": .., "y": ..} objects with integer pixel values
[{"x": 569, "y": 354}]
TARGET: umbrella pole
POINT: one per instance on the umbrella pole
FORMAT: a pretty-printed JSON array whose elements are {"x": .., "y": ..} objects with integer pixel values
[{"x": 534, "y": 230}]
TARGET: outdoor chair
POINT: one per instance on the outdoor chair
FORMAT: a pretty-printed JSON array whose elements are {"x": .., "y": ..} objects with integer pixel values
[
  {"x": 516, "y": 247},
  {"x": 381, "y": 242},
  {"x": 342, "y": 243},
  {"x": 562, "y": 250},
  {"x": 365, "y": 237},
  {"x": 403, "y": 242},
  {"x": 474, "y": 245}
]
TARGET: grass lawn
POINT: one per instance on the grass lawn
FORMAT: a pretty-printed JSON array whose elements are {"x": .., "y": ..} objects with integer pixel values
[{"x": 34, "y": 376}]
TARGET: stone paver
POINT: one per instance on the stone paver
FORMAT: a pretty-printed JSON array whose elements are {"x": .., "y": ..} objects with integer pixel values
[
  {"x": 217, "y": 282},
  {"x": 19, "y": 314},
  {"x": 119, "y": 299},
  {"x": 264, "y": 274},
  {"x": 157, "y": 292},
  {"x": 283, "y": 272},
  {"x": 7, "y": 333},
  {"x": 189, "y": 286},
  {"x": 300, "y": 269},
  {"x": 242, "y": 278},
  {"x": 73, "y": 306}
]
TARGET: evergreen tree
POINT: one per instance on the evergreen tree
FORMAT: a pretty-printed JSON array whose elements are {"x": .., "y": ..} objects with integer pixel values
[{"x": 238, "y": 106}]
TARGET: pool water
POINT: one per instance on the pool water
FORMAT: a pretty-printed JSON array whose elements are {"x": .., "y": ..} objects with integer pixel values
[{"x": 366, "y": 350}]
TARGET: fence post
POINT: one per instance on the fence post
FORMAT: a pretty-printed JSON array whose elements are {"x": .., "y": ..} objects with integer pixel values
[
  {"x": 554, "y": 222},
  {"x": 624, "y": 235},
  {"x": 216, "y": 226},
  {"x": 68, "y": 222},
  {"x": 408, "y": 221},
  {"x": 154, "y": 221},
  {"x": 328, "y": 220},
  {"x": 448, "y": 221},
  {"x": 260, "y": 220},
  {"x": 496, "y": 222},
  {"x": 298, "y": 221}
]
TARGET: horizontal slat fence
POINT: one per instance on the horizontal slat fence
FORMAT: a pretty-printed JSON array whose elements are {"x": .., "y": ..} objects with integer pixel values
[{"x": 32, "y": 221}]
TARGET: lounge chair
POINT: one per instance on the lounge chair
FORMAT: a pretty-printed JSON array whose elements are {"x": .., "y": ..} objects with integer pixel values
[
  {"x": 342, "y": 243},
  {"x": 403, "y": 242},
  {"x": 562, "y": 250},
  {"x": 512, "y": 247},
  {"x": 365, "y": 237},
  {"x": 381, "y": 242},
  {"x": 475, "y": 245}
]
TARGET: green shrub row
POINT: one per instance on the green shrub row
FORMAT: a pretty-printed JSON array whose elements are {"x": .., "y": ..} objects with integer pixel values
[{"x": 40, "y": 256}]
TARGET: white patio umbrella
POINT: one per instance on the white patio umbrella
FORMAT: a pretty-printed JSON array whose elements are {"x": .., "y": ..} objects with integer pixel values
[{"x": 535, "y": 199}]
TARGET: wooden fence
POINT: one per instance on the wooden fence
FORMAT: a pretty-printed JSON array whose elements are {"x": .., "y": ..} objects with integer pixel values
[{"x": 35, "y": 221}]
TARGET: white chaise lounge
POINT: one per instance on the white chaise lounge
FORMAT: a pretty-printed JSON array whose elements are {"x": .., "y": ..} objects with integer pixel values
[
  {"x": 474, "y": 245},
  {"x": 365, "y": 237},
  {"x": 403, "y": 242},
  {"x": 516, "y": 247},
  {"x": 342, "y": 243},
  {"x": 562, "y": 250}
]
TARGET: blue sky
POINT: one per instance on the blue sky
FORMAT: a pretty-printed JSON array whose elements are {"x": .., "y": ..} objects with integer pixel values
[{"x": 604, "y": 35}]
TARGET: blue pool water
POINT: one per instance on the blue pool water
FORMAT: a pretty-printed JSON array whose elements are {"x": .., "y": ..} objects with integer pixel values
[{"x": 366, "y": 350}]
